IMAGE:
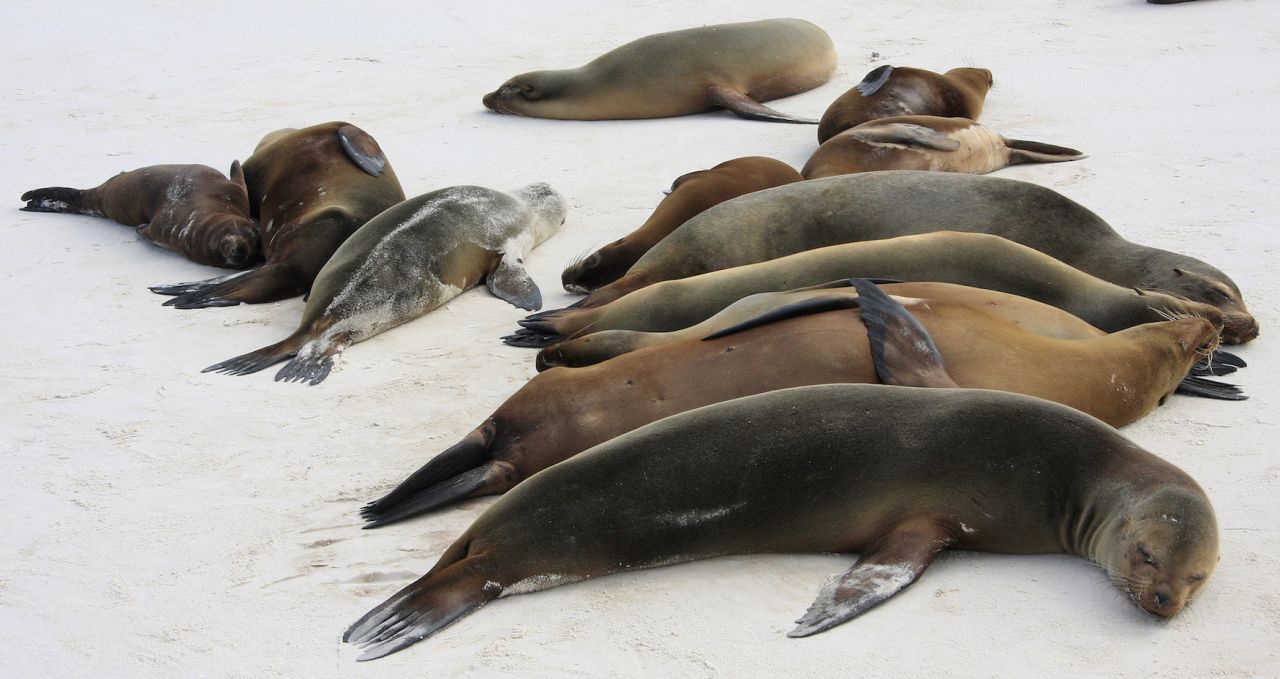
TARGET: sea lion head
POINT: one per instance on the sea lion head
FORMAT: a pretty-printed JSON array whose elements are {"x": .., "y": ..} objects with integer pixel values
[
  {"x": 237, "y": 243},
  {"x": 979, "y": 80},
  {"x": 1165, "y": 549},
  {"x": 599, "y": 268},
  {"x": 1239, "y": 326},
  {"x": 1175, "y": 345},
  {"x": 527, "y": 94},
  {"x": 549, "y": 208}
]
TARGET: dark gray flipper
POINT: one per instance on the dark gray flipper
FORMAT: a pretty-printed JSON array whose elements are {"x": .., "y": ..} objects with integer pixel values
[
  {"x": 265, "y": 357},
  {"x": 510, "y": 282},
  {"x": 874, "y": 80},
  {"x": 805, "y": 307},
  {"x": 1021, "y": 151},
  {"x": 447, "y": 477},
  {"x": 1204, "y": 388},
  {"x": 844, "y": 283},
  {"x": 57, "y": 199},
  {"x": 902, "y": 350},
  {"x": 745, "y": 107},
  {"x": 905, "y": 134},
  {"x": 901, "y": 557},
  {"x": 362, "y": 149}
]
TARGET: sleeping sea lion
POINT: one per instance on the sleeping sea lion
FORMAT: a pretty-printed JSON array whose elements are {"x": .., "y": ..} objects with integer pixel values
[
  {"x": 690, "y": 194},
  {"x": 409, "y": 260},
  {"x": 888, "y": 91},
  {"x": 929, "y": 143},
  {"x": 733, "y": 66},
  {"x": 191, "y": 209},
  {"x": 309, "y": 189},
  {"x": 830, "y": 469}
]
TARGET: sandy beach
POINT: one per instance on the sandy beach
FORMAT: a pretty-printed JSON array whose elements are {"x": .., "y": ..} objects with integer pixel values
[{"x": 161, "y": 522}]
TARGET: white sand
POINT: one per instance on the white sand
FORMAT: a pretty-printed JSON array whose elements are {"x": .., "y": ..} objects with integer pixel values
[{"x": 158, "y": 521}]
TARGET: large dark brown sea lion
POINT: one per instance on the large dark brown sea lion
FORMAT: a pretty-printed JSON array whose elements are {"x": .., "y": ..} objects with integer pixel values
[
  {"x": 873, "y": 205},
  {"x": 409, "y": 260},
  {"x": 887, "y": 91},
  {"x": 974, "y": 343},
  {"x": 830, "y": 469},
  {"x": 732, "y": 66},
  {"x": 191, "y": 209},
  {"x": 929, "y": 143},
  {"x": 973, "y": 259},
  {"x": 310, "y": 189},
  {"x": 690, "y": 194}
]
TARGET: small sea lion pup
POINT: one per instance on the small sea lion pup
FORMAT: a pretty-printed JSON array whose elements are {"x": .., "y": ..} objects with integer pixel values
[
  {"x": 191, "y": 209},
  {"x": 973, "y": 259},
  {"x": 732, "y": 66},
  {"x": 309, "y": 189},
  {"x": 409, "y": 260},
  {"x": 889, "y": 91},
  {"x": 927, "y": 143},
  {"x": 830, "y": 469},
  {"x": 873, "y": 205},
  {"x": 952, "y": 336},
  {"x": 690, "y": 194}
]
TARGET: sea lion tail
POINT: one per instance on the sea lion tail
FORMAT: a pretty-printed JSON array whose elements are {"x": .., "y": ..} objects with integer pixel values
[
  {"x": 58, "y": 199},
  {"x": 1206, "y": 388},
  {"x": 456, "y": 586},
  {"x": 252, "y": 362},
  {"x": 450, "y": 476}
]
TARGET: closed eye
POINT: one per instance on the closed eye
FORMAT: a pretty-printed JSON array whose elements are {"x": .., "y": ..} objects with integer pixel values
[
  {"x": 1196, "y": 578},
  {"x": 1147, "y": 558}
]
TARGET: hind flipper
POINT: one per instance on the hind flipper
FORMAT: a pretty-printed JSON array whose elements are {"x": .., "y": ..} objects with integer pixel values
[
  {"x": 59, "y": 199},
  {"x": 873, "y": 81},
  {"x": 455, "y": 587},
  {"x": 361, "y": 148},
  {"x": 901, "y": 349},
  {"x": 423, "y": 487},
  {"x": 745, "y": 107},
  {"x": 267, "y": 283},
  {"x": 905, "y": 134},
  {"x": 446, "y": 492},
  {"x": 889, "y": 567},
  {"x": 254, "y": 361},
  {"x": 313, "y": 361},
  {"x": 528, "y": 338},
  {"x": 1199, "y": 386},
  {"x": 1022, "y": 151},
  {"x": 510, "y": 282}
]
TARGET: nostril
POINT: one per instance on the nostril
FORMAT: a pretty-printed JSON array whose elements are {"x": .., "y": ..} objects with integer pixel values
[{"x": 1163, "y": 599}]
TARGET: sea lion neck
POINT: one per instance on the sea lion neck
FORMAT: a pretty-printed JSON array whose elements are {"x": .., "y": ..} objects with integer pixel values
[{"x": 1093, "y": 518}]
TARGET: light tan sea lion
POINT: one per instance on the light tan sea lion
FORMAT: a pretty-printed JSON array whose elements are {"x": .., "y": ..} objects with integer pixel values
[{"x": 887, "y": 91}]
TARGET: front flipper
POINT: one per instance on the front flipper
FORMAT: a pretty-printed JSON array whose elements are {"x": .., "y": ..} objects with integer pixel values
[
  {"x": 746, "y": 107},
  {"x": 510, "y": 282},
  {"x": 890, "y": 566},
  {"x": 874, "y": 80},
  {"x": 905, "y": 134},
  {"x": 901, "y": 349},
  {"x": 362, "y": 149}
]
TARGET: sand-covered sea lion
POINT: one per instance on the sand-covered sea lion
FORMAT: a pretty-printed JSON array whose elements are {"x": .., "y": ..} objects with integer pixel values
[
  {"x": 409, "y": 260},
  {"x": 830, "y": 469},
  {"x": 943, "y": 338},
  {"x": 888, "y": 91},
  {"x": 309, "y": 189},
  {"x": 193, "y": 210},
  {"x": 873, "y": 205},
  {"x": 690, "y": 194},
  {"x": 929, "y": 143},
  {"x": 972, "y": 259},
  {"x": 733, "y": 66}
]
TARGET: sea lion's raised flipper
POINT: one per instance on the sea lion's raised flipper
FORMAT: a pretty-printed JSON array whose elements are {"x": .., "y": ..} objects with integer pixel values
[
  {"x": 361, "y": 148},
  {"x": 1204, "y": 388},
  {"x": 905, "y": 134},
  {"x": 890, "y": 567},
  {"x": 267, "y": 283},
  {"x": 57, "y": 199},
  {"x": 510, "y": 282},
  {"x": 457, "y": 585},
  {"x": 901, "y": 349},
  {"x": 1021, "y": 151},
  {"x": 811, "y": 305},
  {"x": 874, "y": 80},
  {"x": 745, "y": 107},
  {"x": 267, "y": 356},
  {"x": 448, "y": 477}
]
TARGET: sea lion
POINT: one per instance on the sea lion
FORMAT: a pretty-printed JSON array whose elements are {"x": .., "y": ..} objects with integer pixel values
[
  {"x": 830, "y": 469},
  {"x": 310, "y": 189},
  {"x": 690, "y": 194},
  {"x": 874, "y": 205},
  {"x": 972, "y": 259},
  {"x": 733, "y": 66},
  {"x": 887, "y": 91},
  {"x": 191, "y": 209},
  {"x": 929, "y": 143},
  {"x": 940, "y": 342},
  {"x": 409, "y": 260}
]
